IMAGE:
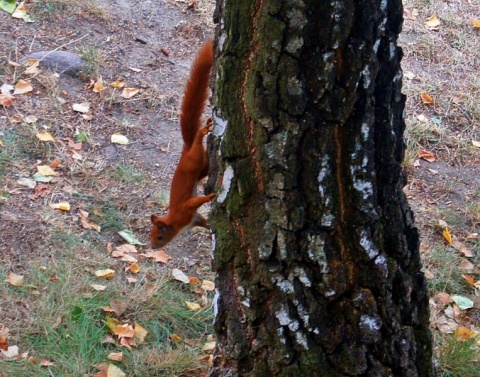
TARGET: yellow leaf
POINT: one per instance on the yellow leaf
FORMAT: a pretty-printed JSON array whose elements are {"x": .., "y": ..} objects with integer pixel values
[
  {"x": 139, "y": 333},
  {"x": 107, "y": 273},
  {"x": 129, "y": 92},
  {"x": 46, "y": 363},
  {"x": 98, "y": 86},
  {"x": 192, "y": 305},
  {"x": 133, "y": 268},
  {"x": 98, "y": 287},
  {"x": 46, "y": 170},
  {"x": 469, "y": 279},
  {"x": 45, "y": 136},
  {"x": 117, "y": 84},
  {"x": 208, "y": 285},
  {"x": 1, "y": 143},
  {"x": 114, "y": 371},
  {"x": 119, "y": 139},
  {"x": 124, "y": 331},
  {"x": 63, "y": 206},
  {"x": 115, "y": 356},
  {"x": 209, "y": 346},
  {"x": 476, "y": 143},
  {"x": 464, "y": 333},
  {"x": 194, "y": 280},
  {"x": 14, "y": 279},
  {"x": 447, "y": 236},
  {"x": 476, "y": 24},
  {"x": 20, "y": 11},
  {"x": 426, "y": 99},
  {"x": 23, "y": 87},
  {"x": 180, "y": 276},
  {"x": 111, "y": 323},
  {"x": 432, "y": 22},
  {"x": 175, "y": 338}
]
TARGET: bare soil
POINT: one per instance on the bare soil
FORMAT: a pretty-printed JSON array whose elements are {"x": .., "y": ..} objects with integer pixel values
[{"x": 129, "y": 36}]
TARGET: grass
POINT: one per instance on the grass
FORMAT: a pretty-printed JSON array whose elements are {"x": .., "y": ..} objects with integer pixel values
[{"x": 458, "y": 358}]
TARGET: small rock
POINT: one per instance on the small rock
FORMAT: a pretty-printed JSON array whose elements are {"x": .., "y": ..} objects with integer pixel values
[
  {"x": 141, "y": 39},
  {"x": 59, "y": 61}
]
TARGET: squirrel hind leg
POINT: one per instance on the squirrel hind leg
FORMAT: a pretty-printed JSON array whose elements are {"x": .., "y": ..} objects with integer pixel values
[{"x": 199, "y": 220}]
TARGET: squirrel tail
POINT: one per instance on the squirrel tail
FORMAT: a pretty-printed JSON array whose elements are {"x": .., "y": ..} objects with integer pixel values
[{"x": 196, "y": 94}]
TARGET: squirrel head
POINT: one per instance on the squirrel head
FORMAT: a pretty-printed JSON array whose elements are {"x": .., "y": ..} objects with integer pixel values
[{"x": 161, "y": 233}]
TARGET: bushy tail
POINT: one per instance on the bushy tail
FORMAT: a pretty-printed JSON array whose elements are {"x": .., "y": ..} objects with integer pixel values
[{"x": 196, "y": 94}]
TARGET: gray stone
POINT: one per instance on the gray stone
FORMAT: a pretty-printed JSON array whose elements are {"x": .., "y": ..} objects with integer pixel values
[{"x": 59, "y": 61}]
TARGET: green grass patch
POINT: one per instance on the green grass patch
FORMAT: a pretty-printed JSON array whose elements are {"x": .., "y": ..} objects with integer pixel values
[
  {"x": 458, "y": 358},
  {"x": 444, "y": 262},
  {"x": 126, "y": 173}
]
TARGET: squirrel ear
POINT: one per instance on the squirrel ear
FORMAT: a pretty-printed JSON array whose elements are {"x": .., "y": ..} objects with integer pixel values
[{"x": 154, "y": 218}]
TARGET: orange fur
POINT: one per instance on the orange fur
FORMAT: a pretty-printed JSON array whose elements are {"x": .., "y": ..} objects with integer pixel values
[{"x": 193, "y": 164}]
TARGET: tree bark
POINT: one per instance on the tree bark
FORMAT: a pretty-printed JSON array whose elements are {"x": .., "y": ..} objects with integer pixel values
[{"x": 316, "y": 253}]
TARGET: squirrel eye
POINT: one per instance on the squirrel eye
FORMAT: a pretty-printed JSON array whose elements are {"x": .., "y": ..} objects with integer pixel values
[{"x": 160, "y": 238}]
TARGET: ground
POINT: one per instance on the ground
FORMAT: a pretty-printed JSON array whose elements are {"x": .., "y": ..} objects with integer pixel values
[{"x": 149, "y": 45}]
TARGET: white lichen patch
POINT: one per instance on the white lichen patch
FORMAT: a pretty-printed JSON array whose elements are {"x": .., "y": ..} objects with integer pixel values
[
  {"x": 367, "y": 244},
  {"x": 283, "y": 316},
  {"x": 301, "y": 340},
  {"x": 216, "y": 297},
  {"x": 316, "y": 251},
  {"x": 301, "y": 275},
  {"x": 364, "y": 187},
  {"x": 370, "y": 323},
  {"x": 228, "y": 175},
  {"x": 367, "y": 77},
  {"x": 285, "y": 286},
  {"x": 220, "y": 125},
  {"x": 381, "y": 262}
]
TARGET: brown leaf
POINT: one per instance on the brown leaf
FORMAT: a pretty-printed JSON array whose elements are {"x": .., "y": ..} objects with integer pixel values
[
  {"x": 6, "y": 100},
  {"x": 427, "y": 156},
  {"x": 15, "y": 280},
  {"x": 469, "y": 279},
  {"x": 426, "y": 99},
  {"x": 464, "y": 333},
  {"x": 158, "y": 256}
]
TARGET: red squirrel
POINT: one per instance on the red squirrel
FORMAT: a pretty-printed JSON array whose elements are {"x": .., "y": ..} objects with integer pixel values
[{"x": 193, "y": 164}]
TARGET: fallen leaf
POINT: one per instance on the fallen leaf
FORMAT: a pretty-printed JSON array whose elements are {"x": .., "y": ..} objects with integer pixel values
[
  {"x": 30, "y": 119},
  {"x": 46, "y": 171},
  {"x": 209, "y": 346},
  {"x": 98, "y": 86},
  {"x": 115, "y": 356},
  {"x": 111, "y": 371},
  {"x": 469, "y": 279},
  {"x": 128, "y": 236},
  {"x": 426, "y": 99},
  {"x": 466, "y": 265},
  {"x": 135, "y": 69},
  {"x": 180, "y": 276},
  {"x": 117, "y": 84},
  {"x": 409, "y": 75},
  {"x": 464, "y": 333},
  {"x": 139, "y": 333},
  {"x": 45, "y": 136},
  {"x": 63, "y": 206},
  {"x": 432, "y": 22},
  {"x": 27, "y": 182},
  {"x": 476, "y": 144},
  {"x": 447, "y": 236},
  {"x": 129, "y": 92},
  {"x": 87, "y": 224},
  {"x": 81, "y": 107},
  {"x": 8, "y": 5},
  {"x": 194, "y": 280},
  {"x": 118, "y": 138},
  {"x": 207, "y": 359},
  {"x": 23, "y": 87},
  {"x": 175, "y": 338},
  {"x": 476, "y": 24},
  {"x": 55, "y": 164},
  {"x": 444, "y": 298},
  {"x": 107, "y": 273},
  {"x": 11, "y": 352},
  {"x": 208, "y": 285},
  {"x": 15, "y": 280},
  {"x": 192, "y": 305},
  {"x": 6, "y": 100},
  {"x": 32, "y": 67},
  {"x": 119, "y": 306},
  {"x": 134, "y": 268},
  {"x": 159, "y": 256},
  {"x": 463, "y": 303},
  {"x": 124, "y": 331},
  {"x": 98, "y": 287},
  {"x": 427, "y": 156},
  {"x": 46, "y": 363}
]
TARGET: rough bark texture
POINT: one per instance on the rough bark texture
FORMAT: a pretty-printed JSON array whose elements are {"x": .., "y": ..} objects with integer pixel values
[{"x": 316, "y": 255}]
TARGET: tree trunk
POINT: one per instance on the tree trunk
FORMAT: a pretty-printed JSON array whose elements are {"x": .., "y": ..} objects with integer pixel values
[{"x": 316, "y": 254}]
